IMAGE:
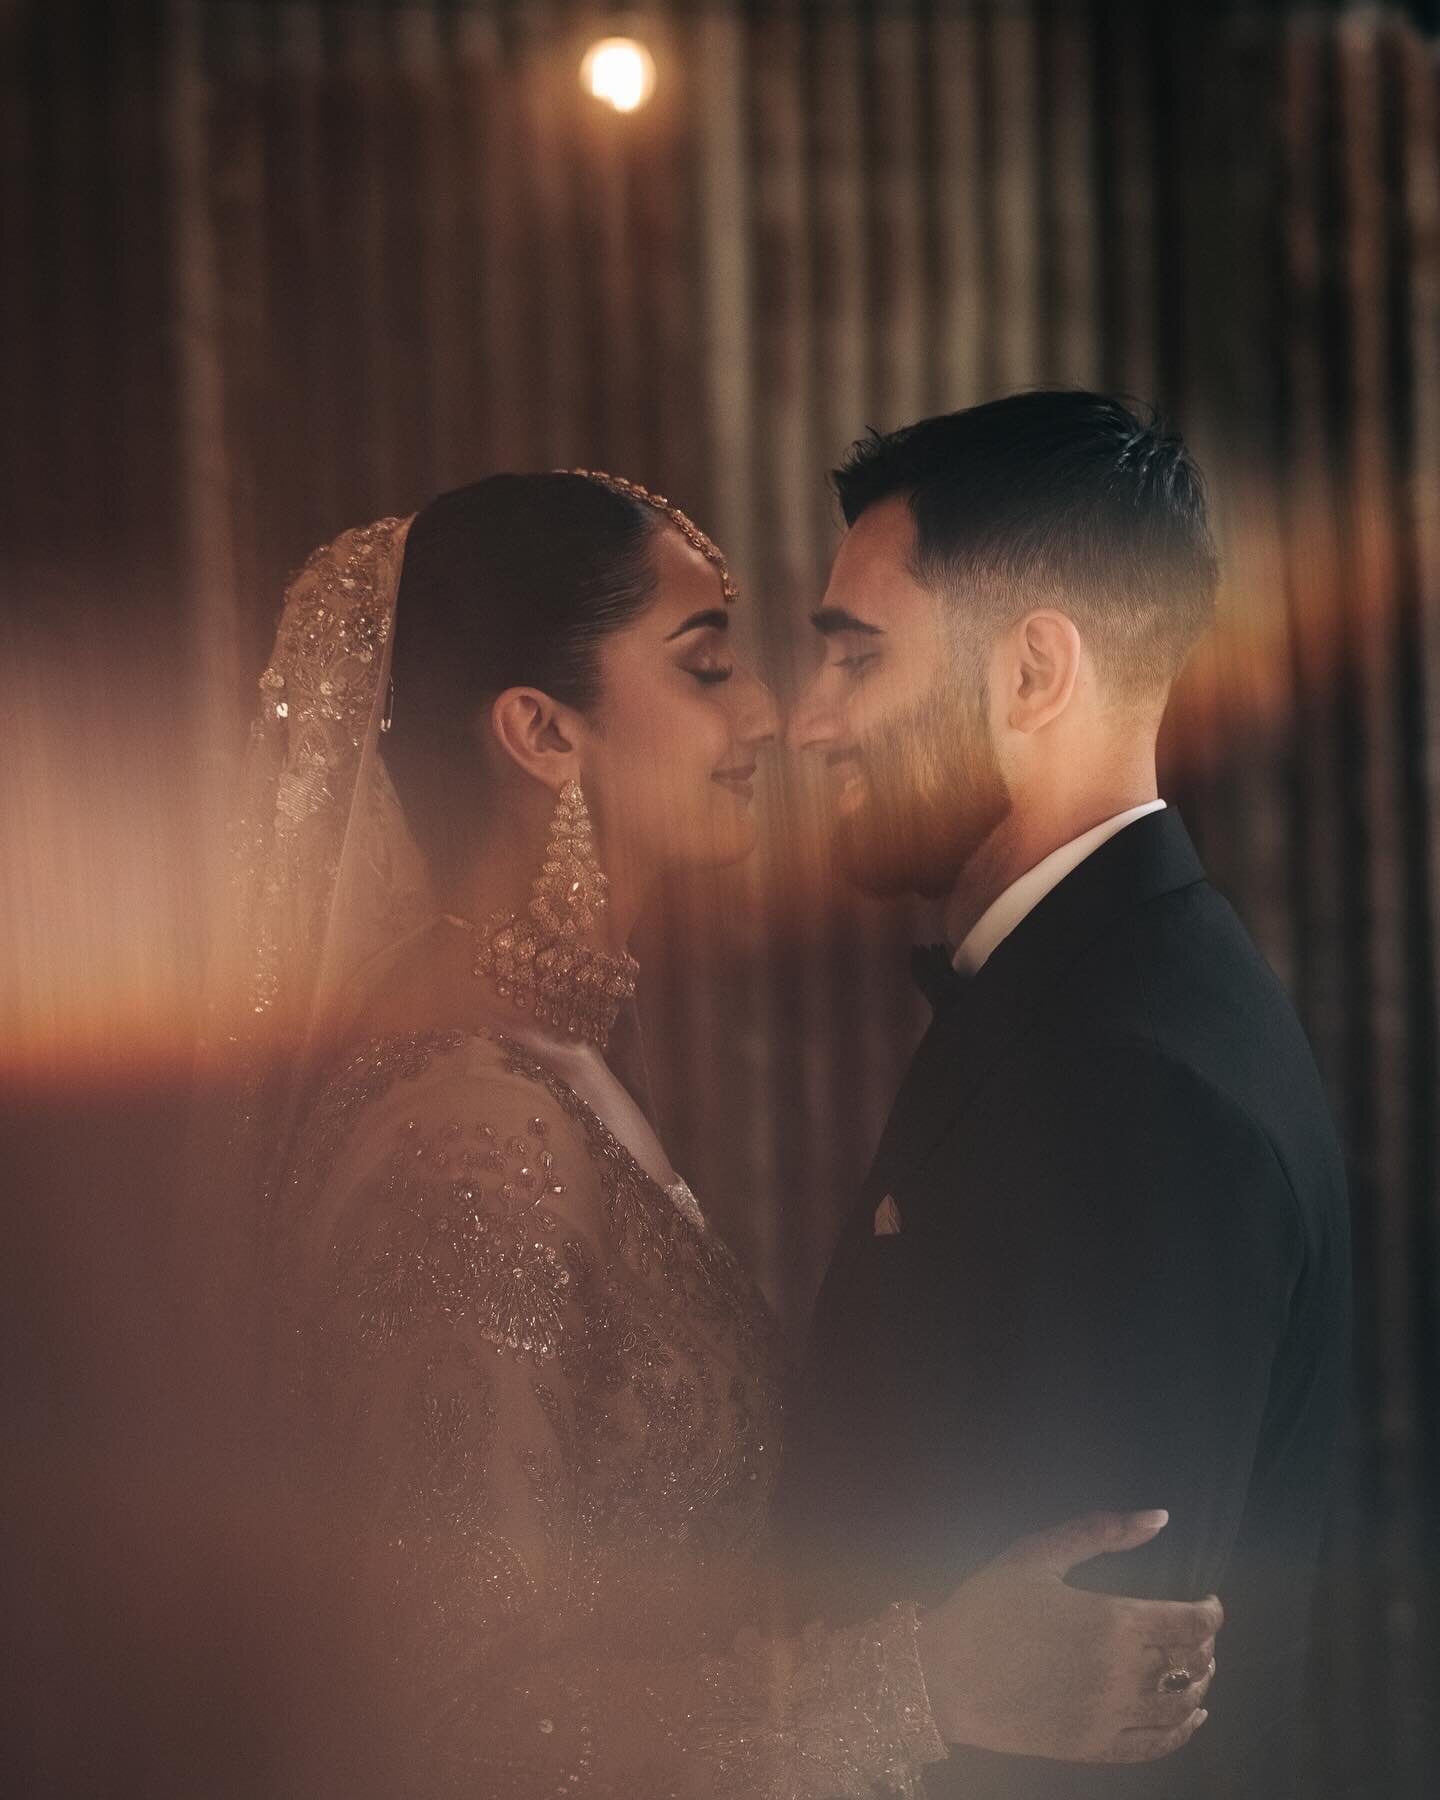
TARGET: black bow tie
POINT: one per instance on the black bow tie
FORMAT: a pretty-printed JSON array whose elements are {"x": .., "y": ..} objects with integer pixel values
[{"x": 936, "y": 976}]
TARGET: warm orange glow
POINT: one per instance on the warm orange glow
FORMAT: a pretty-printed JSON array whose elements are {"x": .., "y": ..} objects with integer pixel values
[{"x": 103, "y": 905}]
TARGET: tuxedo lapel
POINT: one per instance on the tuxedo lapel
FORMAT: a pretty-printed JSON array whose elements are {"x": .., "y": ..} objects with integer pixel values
[
  {"x": 919, "y": 1099},
  {"x": 1153, "y": 856}
]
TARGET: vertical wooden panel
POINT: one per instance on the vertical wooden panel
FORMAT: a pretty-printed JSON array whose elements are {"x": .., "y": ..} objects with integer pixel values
[
  {"x": 840, "y": 202},
  {"x": 667, "y": 243},
  {"x": 216, "y": 605},
  {"x": 1312, "y": 559},
  {"x": 506, "y": 391},
  {"x": 427, "y": 253},
  {"x": 476, "y": 54},
  {"x": 20, "y": 209},
  {"x": 1130, "y": 177},
  {"x": 956, "y": 79},
  {"x": 237, "y": 175},
  {"x": 568, "y": 424},
  {"x": 1419, "y": 84},
  {"x": 726, "y": 278},
  {"x": 1015, "y": 323},
  {"x": 608, "y": 160},
  {"x": 897, "y": 283},
  {"x": 1071, "y": 315},
  {"x": 1371, "y": 592}
]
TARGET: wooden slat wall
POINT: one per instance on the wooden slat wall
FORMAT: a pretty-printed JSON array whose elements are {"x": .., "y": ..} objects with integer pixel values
[{"x": 289, "y": 266}]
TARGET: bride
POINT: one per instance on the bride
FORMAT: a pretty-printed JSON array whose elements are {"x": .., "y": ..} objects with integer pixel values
[{"x": 539, "y": 1392}]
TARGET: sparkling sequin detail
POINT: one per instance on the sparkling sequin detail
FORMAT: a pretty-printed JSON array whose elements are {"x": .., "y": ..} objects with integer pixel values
[{"x": 561, "y": 1391}]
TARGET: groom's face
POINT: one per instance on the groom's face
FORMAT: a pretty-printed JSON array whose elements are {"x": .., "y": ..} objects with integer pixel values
[{"x": 899, "y": 710}]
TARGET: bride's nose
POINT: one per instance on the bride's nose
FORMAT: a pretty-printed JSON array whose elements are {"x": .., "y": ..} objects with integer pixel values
[{"x": 758, "y": 718}]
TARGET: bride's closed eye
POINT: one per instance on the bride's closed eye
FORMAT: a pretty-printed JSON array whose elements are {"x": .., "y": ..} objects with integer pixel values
[{"x": 710, "y": 676}]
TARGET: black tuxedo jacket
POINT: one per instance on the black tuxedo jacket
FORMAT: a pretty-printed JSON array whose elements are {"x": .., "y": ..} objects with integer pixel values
[{"x": 1121, "y": 1280}]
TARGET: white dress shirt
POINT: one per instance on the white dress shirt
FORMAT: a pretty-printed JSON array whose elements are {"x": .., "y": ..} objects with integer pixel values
[{"x": 1002, "y": 916}]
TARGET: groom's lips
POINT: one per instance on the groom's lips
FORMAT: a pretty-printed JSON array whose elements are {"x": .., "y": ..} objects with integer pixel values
[
  {"x": 851, "y": 796},
  {"x": 849, "y": 783}
]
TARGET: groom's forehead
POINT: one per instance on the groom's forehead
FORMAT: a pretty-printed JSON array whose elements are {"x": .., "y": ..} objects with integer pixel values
[{"x": 872, "y": 579}]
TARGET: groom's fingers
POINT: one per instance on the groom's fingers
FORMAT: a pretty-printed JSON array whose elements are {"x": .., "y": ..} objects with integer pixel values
[
  {"x": 1060, "y": 1548},
  {"x": 1176, "y": 1624},
  {"x": 1139, "y": 1745}
]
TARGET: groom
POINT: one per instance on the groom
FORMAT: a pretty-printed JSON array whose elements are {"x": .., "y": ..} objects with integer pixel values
[{"x": 1101, "y": 1257}]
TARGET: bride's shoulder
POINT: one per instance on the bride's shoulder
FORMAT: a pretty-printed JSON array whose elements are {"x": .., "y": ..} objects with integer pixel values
[{"x": 425, "y": 1111}]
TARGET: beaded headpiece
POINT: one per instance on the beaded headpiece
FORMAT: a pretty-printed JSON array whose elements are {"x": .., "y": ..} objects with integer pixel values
[{"x": 620, "y": 484}]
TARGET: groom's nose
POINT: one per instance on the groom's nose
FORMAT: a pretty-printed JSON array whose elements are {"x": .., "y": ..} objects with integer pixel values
[{"x": 814, "y": 719}]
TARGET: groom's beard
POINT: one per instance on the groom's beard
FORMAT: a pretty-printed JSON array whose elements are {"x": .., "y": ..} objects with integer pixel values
[{"x": 934, "y": 792}]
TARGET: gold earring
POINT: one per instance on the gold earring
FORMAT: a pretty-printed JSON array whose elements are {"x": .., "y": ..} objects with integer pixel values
[
  {"x": 570, "y": 889},
  {"x": 541, "y": 961}
]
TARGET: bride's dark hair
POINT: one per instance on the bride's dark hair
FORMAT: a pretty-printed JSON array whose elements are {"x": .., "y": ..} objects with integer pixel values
[{"x": 513, "y": 581}]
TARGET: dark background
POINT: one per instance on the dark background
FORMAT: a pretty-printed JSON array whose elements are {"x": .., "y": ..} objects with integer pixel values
[{"x": 271, "y": 270}]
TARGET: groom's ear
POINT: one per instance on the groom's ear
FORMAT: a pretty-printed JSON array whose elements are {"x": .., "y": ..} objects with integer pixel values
[
  {"x": 537, "y": 733},
  {"x": 1042, "y": 665}
]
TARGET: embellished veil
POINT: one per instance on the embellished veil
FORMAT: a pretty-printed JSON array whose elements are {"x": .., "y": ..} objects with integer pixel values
[{"x": 324, "y": 873}]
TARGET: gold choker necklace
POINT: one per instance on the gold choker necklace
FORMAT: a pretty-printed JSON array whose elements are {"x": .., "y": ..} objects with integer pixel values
[
  {"x": 541, "y": 961},
  {"x": 573, "y": 986}
]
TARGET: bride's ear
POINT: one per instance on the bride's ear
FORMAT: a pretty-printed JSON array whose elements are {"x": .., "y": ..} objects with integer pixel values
[{"x": 537, "y": 733}]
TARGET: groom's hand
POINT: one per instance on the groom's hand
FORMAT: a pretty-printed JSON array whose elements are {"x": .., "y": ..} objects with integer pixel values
[{"x": 1016, "y": 1660}]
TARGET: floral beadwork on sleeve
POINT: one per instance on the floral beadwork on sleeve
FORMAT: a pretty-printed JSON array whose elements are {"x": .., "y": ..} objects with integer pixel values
[{"x": 464, "y": 1234}]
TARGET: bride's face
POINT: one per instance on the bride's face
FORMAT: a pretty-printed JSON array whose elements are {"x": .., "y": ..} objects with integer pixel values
[{"x": 670, "y": 756}]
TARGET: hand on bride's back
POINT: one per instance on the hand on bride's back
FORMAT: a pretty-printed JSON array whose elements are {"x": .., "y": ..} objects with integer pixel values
[{"x": 1016, "y": 1660}]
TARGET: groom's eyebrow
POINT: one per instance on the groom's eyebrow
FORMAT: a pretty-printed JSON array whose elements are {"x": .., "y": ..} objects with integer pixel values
[
  {"x": 713, "y": 618},
  {"x": 830, "y": 620}
]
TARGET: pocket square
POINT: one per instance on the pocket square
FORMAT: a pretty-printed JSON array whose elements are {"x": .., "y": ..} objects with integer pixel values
[{"x": 887, "y": 1218}]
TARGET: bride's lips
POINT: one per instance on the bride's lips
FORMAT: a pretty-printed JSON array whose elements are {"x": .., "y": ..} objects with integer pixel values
[{"x": 739, "y": 781}]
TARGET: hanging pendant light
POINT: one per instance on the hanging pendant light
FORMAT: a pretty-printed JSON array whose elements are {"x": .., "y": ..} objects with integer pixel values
[{"x": 620, "y": 72}]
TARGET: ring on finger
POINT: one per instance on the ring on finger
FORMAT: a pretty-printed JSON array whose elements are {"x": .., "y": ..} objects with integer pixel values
[{"x": 1175, "y": 1678}]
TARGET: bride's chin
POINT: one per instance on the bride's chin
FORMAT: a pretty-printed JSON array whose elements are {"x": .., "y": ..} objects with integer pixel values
[{"x": 726, "y": 849}]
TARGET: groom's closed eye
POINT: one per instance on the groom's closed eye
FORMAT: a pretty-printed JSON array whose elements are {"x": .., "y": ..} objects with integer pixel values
[{"x": 857, "y": 662}]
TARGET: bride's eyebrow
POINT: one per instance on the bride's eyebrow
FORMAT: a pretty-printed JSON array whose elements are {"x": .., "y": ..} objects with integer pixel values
[{"x": 712, "y": 618}]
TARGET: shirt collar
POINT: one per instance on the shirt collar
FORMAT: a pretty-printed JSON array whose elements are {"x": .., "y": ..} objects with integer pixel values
[{"x": 1002, "y": 916}]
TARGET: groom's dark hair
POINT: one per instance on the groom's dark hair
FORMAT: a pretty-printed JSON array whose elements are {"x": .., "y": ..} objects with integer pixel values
[{"x": 1055, "y": 497}]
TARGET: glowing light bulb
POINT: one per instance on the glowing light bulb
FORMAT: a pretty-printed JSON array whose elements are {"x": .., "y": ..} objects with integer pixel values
[{"x": 619, "y": 71}]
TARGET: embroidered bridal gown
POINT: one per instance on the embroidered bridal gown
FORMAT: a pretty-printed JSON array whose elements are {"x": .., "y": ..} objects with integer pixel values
[{"x": 552, "y": 1394}]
